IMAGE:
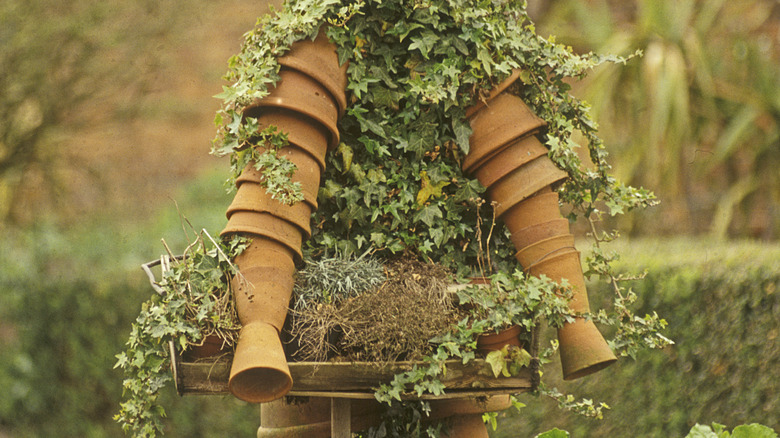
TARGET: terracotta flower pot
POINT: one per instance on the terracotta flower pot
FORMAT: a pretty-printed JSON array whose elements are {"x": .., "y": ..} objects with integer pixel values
[
  {"x": 540, "y": 207},
  {"x": 252, "y": 196},
  {"x": 495, "y": 341},
  {"x": 518, "y": 153},
  {"x": 506, "y": 118},
  {"x": 319, "y": 59},
  {"x": 535, "y": 233},
  {"x": 299, "y": 92},
  {"x": 495, "y": 91},
  {"x": 211, "y": 346},
  {"x": 583, "y": 350},
  {"x": 463, "y": 417},
  {"x": 524, "y": 182},
  {"x": 539, "y": 251},
  {"x": 259, "y": 372},
  {"x": 261, "y": 249},
  {"x": 465, "y": 426},
  {"x": 307, "y": 173},
  {"x": 302, "y": 131},
  {"x": 311, "y": 418},
  {"x": 266, "y": 225}
]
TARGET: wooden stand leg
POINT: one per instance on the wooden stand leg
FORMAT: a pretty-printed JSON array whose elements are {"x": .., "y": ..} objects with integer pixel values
[{"x": 340, "y": 418}]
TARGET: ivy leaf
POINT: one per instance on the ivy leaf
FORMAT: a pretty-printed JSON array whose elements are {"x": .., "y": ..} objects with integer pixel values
[
  {"x": 497, "y": 362},
  {"x": 429, "y": 189},
  {"x": 462, "y": 134},
  {"x": 428, "y": 215},
  {"x": 553, "y": 433},
  {"x": 424, "y": 43}
]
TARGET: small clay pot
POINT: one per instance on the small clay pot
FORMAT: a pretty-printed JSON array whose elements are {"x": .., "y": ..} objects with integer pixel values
[
  {"x": 302, "y": 131},
  {"x": 211, "y": 346},
  {"x": 583, "y": 349},
  {"x": 523, "y": 182},
  {"x": 540, "y": 207},
  {"x": 263, "y": 293},
  {"x": 506, "y": 118},
  {"x": 252, "y": 196},
  {"x": 539, "y": 251},
  {"x": 518, "y": 153},
  {"x": 495, "y": 91},
  {"x": 299, "y": 92},
  {"x": 495, "y": 341},
  {"x": 259, "y": 372},
  {"x": 266, "y": 225},
  {"x": 535, "y": 233},
  {"x": 319, "y": 59},
  {"x": 307, "y": 173},
  {"x": 261, "y": 250},
  {"x": 565, "y": 265}
]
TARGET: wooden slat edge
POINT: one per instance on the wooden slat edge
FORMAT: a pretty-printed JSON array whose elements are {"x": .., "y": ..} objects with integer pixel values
[{"x": 352, "y": 377}]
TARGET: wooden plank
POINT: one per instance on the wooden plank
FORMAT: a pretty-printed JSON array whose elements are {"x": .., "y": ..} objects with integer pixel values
[
  {"x": 340, "y": 418},
  {"x": 354, "y": 379}
]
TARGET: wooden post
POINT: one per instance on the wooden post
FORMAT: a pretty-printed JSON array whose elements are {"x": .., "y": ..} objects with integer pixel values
[{"x": 340, "y": 418}]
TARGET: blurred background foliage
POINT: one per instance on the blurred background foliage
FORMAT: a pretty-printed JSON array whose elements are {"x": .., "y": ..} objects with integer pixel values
[
  {"x": 697, "y": 118},
  {"x": 106, "y": 118}
]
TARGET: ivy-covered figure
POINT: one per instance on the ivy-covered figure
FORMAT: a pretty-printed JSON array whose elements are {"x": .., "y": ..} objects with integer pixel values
[{"x": 429, "y": 130}]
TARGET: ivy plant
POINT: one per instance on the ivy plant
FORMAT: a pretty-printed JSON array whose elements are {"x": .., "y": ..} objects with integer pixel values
[{"x": 192, "y": 301}]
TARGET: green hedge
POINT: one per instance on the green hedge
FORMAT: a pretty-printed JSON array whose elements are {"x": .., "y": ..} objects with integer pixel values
[{"x": 722, "y": 302}]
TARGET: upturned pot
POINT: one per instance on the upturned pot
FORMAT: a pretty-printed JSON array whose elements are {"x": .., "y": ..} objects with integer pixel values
[
  {"x": 299, "y": 92},
  {"x": 523, "y": 182},
  {"x": 262, "y": 290},
  {"x": 268, "y": 226},
  {"x": 540, "y": 207},
  {"x": 302, "y": 131},
  {"x": 319, "y": 59},
  {"x": 307, "y": 173},
  {"x": 518, "y": 153},
  {"x": 504, "y": 119},
  {"x": 488, "y": 342},
  {"x": 583, "y": 349},
  {"x": 252, "y": 196},
  {"x": 529, "y": 235},
  {"x": 541, "y": 250}
]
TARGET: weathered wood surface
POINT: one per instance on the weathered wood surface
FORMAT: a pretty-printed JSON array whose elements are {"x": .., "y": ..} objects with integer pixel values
[{"x": 353, "y": 379}]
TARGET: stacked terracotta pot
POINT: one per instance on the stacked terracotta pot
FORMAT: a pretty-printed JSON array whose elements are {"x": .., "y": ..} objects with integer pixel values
[
  {"x": 305, "y": 104},
  {"x": 509, "y": 160}
]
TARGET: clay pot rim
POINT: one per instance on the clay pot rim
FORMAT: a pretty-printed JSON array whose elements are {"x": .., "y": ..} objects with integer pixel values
[
  {"x": 295, "y": 143},
  {"x": 299, "y": 105},
  {"x": 495, "y": 91},
  {"x": 477, "y": 167},
  {"x": 293, "y": 244},
  {"x": 553, "y": 258},
  {"x": 521, "y": 234},
  {"x": 552, "y": 175},
  {"x": 489, "y": 137},
  {"x": 306, "y": 231},
  {"x": 329, "y": 83},
  {"x": 336, "y": 84},
  {"x": 562, "y": 250}
]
